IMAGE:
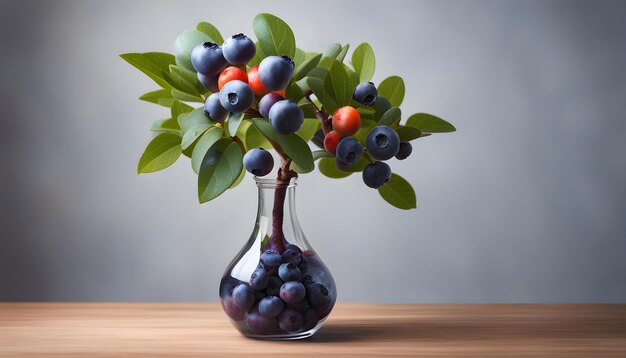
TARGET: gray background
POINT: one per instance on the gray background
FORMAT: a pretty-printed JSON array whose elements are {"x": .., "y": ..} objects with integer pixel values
[{"x": 525, "y": 203}]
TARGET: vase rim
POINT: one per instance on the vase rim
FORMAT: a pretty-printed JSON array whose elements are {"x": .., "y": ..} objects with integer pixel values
[{"x": 273, "y": 183}]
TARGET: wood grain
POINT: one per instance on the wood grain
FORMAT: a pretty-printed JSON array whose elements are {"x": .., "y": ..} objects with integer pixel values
[{"x": 192, "y": 329}]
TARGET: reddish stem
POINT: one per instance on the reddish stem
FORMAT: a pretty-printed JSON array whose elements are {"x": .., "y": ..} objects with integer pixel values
[
  {"x": 321, "y": 115},
  {"x": 277, "y": 240}
]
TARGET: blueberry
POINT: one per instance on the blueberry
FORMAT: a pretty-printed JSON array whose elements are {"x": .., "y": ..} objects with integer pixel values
[
  {"x": 365, "y": 93},
  {"x": 291, "y": 256},
  {"x": 214, "y": 109},
  {"x": 342, "y": 166},
  {"x": 310, "y": 319},
  {"x": 209, "y": 82},
  {"x": 286, "y": 117},
  {"x": 376, "y": 175},
  {"x": 349, "y": 150},
  {"x": 405, "y": 150},
  {"x": 259, "y": 279},
  {"x": 308, "y": 280},
  {"x": 243, "y": 297},
  {"x": 236, "y": 96},
  {"x": 318, "y": 138},
  {"x": 258, "y": 161},
  {"x": 267, "y": 102},
  {"x": 275, "y": 72},
  {"x": 239, "y": 49},
  {"x": 207, "y": 58},
  {"x": 271, "y": 306},
  {"x": 289, "y": 272},
  {"x": 304, "y": 265},
  {"x": 293, "y": 247},
  {"x": 382, "y": 142},
  {"x": 273, "y": 286},
  {"x": 231, "y": 309},
  {"x": 290, "y": 321},
  {"x": 301, "y": 306},
  {"x": 271, "y": 259},
  {"x": 292, "y": 292},
  {"x": 318, "y": 295},
  {"x": 259, "y": 324}
]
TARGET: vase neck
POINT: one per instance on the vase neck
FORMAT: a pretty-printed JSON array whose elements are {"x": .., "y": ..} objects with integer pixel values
[{"x": 276, "y": 212}]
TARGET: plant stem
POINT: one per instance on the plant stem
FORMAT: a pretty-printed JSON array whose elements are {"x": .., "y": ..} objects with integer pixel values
[
  {"x": 277, "y": 240},
  {"x": 321, "y": 115}
]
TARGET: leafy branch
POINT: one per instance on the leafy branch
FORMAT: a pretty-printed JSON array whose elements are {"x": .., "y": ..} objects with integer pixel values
[{"x": 322, "y": 82}]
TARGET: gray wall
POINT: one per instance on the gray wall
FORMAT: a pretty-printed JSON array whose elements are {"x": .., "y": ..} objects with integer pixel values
[{"x": 525, "y": 203}]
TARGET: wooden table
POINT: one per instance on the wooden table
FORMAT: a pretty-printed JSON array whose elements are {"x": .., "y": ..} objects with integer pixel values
[{"x": 193, "y": 329}]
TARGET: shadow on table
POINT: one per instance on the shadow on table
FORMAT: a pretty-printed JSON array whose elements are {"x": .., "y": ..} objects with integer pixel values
[{"x": 429, "y": 331}]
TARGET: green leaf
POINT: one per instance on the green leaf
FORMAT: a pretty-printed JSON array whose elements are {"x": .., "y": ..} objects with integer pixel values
[
  {"x": 294, "y": 146},
  {"x": 189, "y": 79},
  {"x": 193, "y": 133},
  {"x": 154, "y": 64},
  {"x": 234, "y": 120},
  {"x": 179, "y": 108},
  {"x": 308, "y": 128},
  {"x": 338, "y": 86},
  {"x": 294, "y": 92},
  {"x": 166, "y": 125},
  {"x": 319, "y": 154},
  {"x": 158, "y": 97},
  {"x": 160, "y": 153},
  {"x": 210, "y": 137},
  {"x": 258, "y": 56},
  {"x": 399, "y": 193},
  {"x": 239, "y": 178},
  {"x": 364, "y": 62},
  {"x": 251, "y": 136},
  {"x": 305, "y": 67},
  {"x": 342, "y": 55},
  {"x": 194, "y": 118},
  {"x": 391, "y": 117},
  {"x": 330, "y": 54},
  {"x": 366, "y": 127},
  {"x": 217, "y": 177},
  {"x": 407, "y": 133},
  {"x": 392, "y": 88},
  {"x": 328, "y": 167},
  {"x": 299, "y": 57},
  {"x": 211, "y": 31},
  {"x": 381, "y": 106},
  {"x": 354, "y": 77},
  {"x": 185, "y": 43},
  {"x": 317, "y": 86},
  {"x": 274, "y": 35},
  {"x": 429, "y": 124},
  {"x": 185, "y": 97}
]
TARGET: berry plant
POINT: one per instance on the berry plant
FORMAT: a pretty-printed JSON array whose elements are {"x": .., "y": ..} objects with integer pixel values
[{"x": 271, "y": 95}]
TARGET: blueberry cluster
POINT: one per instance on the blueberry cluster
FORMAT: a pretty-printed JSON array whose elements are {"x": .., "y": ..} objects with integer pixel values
[
  {"x": 280, "y": 297},
  {"x": 221, "y": 69},
  {"x": 382, "y": 142}
]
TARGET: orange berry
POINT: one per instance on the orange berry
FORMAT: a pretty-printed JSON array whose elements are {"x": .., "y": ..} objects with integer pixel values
[
  {"x": 255, "y": 82},
  {"x": 331, "y": 141},
  {"x": 346, "y": 121},
  {"x": 231, "y": 73}
]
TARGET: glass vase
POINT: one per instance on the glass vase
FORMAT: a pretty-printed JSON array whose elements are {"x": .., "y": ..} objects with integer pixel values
[{"x": 277, "y": 287}]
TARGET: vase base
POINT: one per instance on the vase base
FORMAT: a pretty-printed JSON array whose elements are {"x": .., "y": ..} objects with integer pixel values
[
  {"x": 286, "y": 336},
  {"x": 282, "y": 337}
]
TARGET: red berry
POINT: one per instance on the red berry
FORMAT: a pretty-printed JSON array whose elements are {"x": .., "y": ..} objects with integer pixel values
[
  {"x": 331, "y": 141},
  {"x": 231, "y": 73},
  {"x": 255, "y": 82},
  {"x": 346, "y": 121}
]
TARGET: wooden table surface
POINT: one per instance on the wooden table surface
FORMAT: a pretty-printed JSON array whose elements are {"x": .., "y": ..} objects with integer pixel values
[{"x": 195, "y": 329}]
